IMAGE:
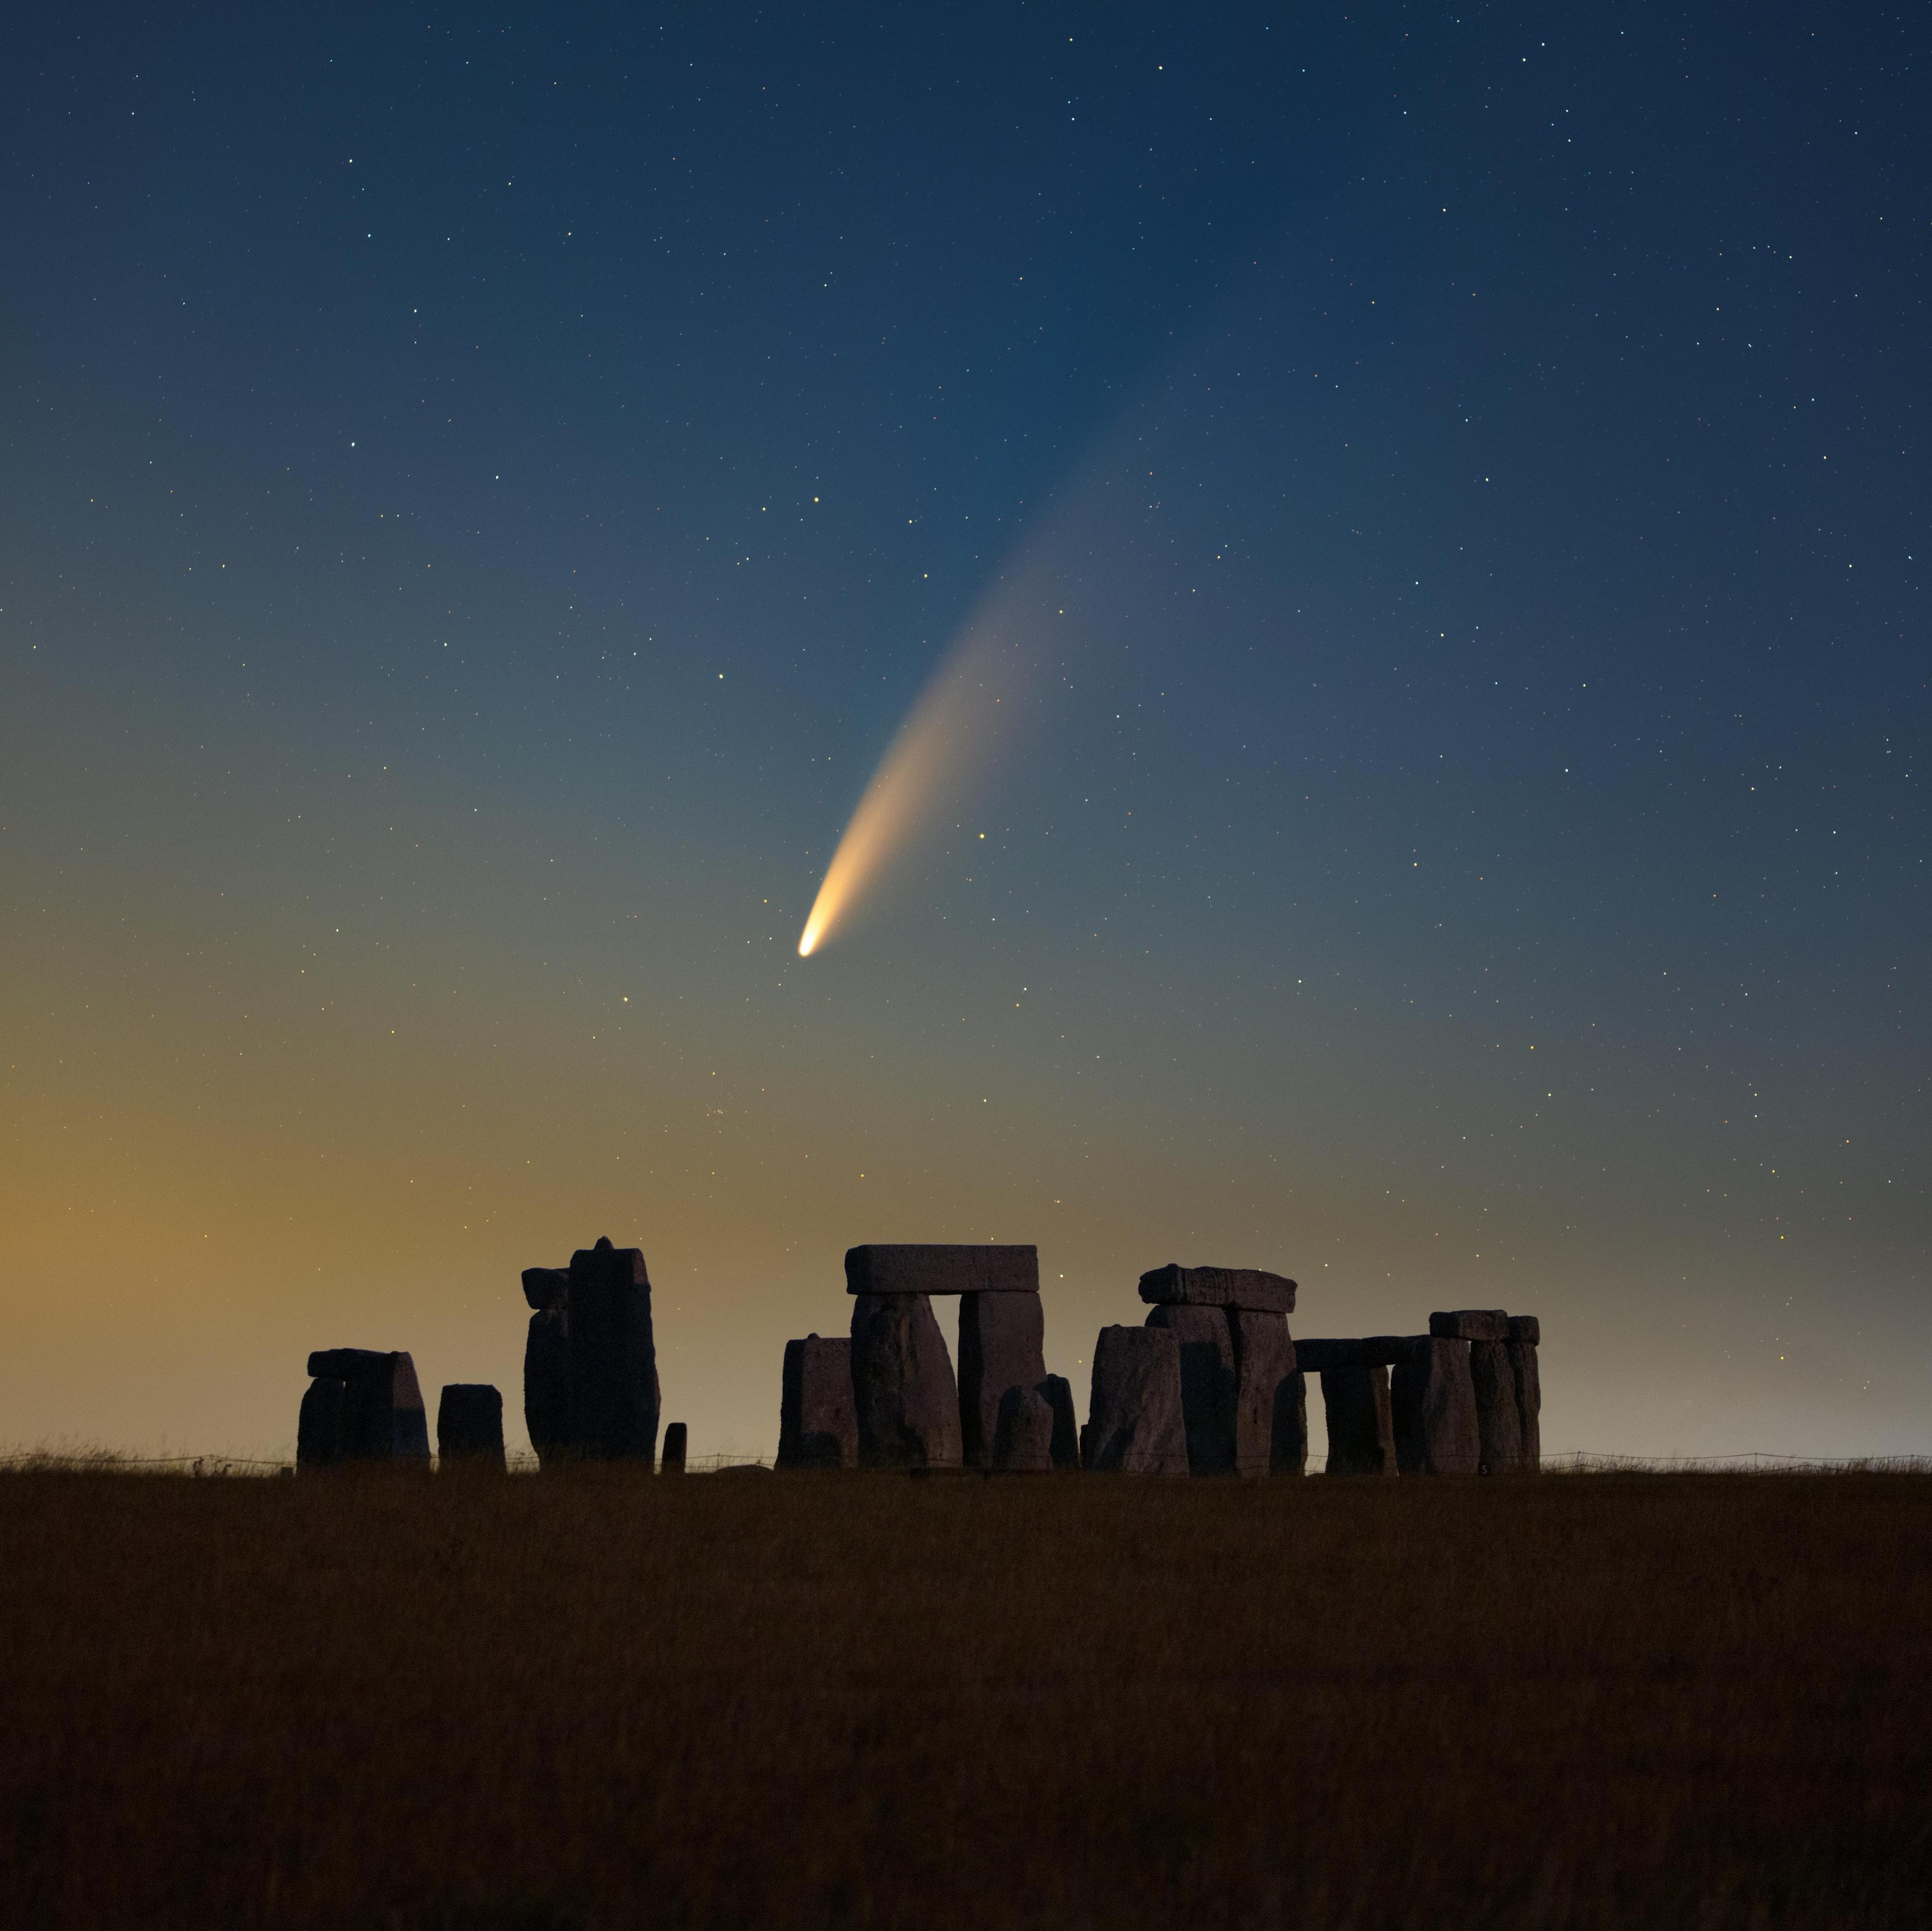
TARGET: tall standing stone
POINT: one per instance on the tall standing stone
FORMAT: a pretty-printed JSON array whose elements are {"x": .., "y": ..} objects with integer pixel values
[
  {"x": 1361, "y": 1431},
  {"x": 319, "y": 1427},
  {"x": 1264, "y": 1363},
  {"x": 1499, "y": 1429},
  {"x": 818, "y": 1427},
  {"x": 469, "y": 1426},
  {"x": 1525, "y": 1332},
  {"x": 546, "y": 1382},
  {"x": 614, "y": 1397},
  {"x": 382, "y": 1415},
  {"x": 903, "y": 1390},
  {"x": 1023, "y": 1434},
  {"x": 1435, "y": 1430},
  {"x": 1207, "y": 1382},
  {"x": 1135, "y": 1422},
  {"x": 1002, "y": 1344},
  {"x": 1288, "y": 1449},
  {"x": 1059, "y": 1393}
]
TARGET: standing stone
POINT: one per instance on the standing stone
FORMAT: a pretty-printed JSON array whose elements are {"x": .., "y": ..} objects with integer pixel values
[
  {"x": 1525, "y": 1332},
  {"x": 547, "y": 1383},
  {"x": 673, "y": 1450},
  {"x": 818, "y": 1428},
  {"x": 929, "y": 1269},
  {"x": 319, "y": 1428},
  {"x": 1207, "y": 1382},
  {"x": 1002, "y": 1343},
  {"x": 1135, "y": 1422},
  {"x": 1361, "y": 1431},
  {"x": 614, "y": 1397},
  {"x": 1023, "y": 1435},
  {"x": 1288, "y": 1449},
  {"x": 1058, "y": 1392},
  {"x": 1219, "y": 1286},
  {"x": 1263, "y": 1362},
  {"x": 906, "y": 1400},
  {"x": 382, "y": 1418},
  {"x": 469, "y": 1426},
  {"x": 1435, "y": 1430},
  {"x": 1499, "y": 1431}
]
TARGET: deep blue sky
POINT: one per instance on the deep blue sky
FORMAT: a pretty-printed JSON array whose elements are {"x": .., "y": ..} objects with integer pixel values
[{"x": 481, "y": 489}]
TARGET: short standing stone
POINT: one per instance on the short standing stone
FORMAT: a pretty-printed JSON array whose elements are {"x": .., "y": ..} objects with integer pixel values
[
  {"x": 1023, "y": 1434},
  {"x": 1470, "y": 1323},
  {"x": 672, "y": 1463},
  {"x": 547, "y": 1383},
  {"x": 1435, "y": 1429},
  {"x": 903, "y": 1390},
  {"x": 1525, "y": 1332},
  {"x": 382, "y": 1418},
  {"x": 1361, "y": 1433},
  {"x": 614, "y": 1397},
  {"x": 818, "y": 1427},
  {"x": 1498, "y": 1430},
  {"x": 1002, "y": 1340},
  {"x": 1207, "y": 1382},
  {"x": 1219, "y": 1286},
  {"x": 319, "y": 1428},
  {"x": 1135, "y": 1423},
  {"x": 929, "y": 1269},
  {"x": 1059, "y": 1394},
  {"x": 470, "y": 1426},
  {"x": 1264, "y": 1361}
]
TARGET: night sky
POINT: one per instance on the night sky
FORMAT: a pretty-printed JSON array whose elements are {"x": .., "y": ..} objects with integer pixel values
[{"x": 1436, "y": 499}]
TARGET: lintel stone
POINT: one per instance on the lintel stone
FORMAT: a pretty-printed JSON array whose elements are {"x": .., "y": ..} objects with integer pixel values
[
  {"x": 1470, "y": 1323},
  {"x": 881, "y": 1268},
  {"x": 1174, "y": 1285}
]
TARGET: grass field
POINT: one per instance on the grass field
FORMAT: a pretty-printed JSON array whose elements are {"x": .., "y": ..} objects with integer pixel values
[{"x": 603, "y": 1700}]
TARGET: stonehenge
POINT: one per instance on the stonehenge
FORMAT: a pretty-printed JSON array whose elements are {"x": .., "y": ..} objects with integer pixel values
[
  {"x": 903, "y": 1391},
  {"x": 469, "y": 1426},
  {"x": 1525, "y": 1333},
  {"x": 590, "y": 1370},
  {"x": 1207, "y": 1382},
  {"x": 1361, "y": 1428},
  {"x": 1135, "y": 1422},
  {"x": 672, "y": 1463},
  {"x": 362, "y": 1405},
  {"x": 1002, "y": 1348},
  {"x": 1023, "y": 1434},
  {"x": 818, "y": 1426}
]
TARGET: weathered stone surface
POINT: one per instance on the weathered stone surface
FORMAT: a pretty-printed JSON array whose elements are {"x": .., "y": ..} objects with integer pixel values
[
  {"x": 883, "y": 1268},
  {"x": 1525, "y": 1327},
  {"x": 1135, "y": 1423},
  {"x": 1499, "y": 1429},
  {"x": 1207, "y": 1382},
  {"x": 1361, "y": 1432},
  {"x": 1288, "y": 1451},
  {"x": 614, "y": 1397},
  {"x": 1528, "y": 1402},
  {"x": 1002, "y": 1343},
  {"x": 1174, "y": 1285},
  {"x": 1470, "y": 1323},
  {"x": 1373, "y": 1351},
  {"x": 1023, "y": 1433},
  {"x": 547, "y": 1383},
  {"x": 818, "y": 1426},
  {"x": 903, "y": 1392},
  {"x": 674, "y": 1440},
  {"x": 470, "y": 1426},
  {"x": 1436, "y": 1432},
  {"x": 381, "y": 1417},
  {"x": 546, "y": 1287},
  {"x": 319, "y": 1427},
  {"x": 1264, "y": 1359},
  {"x": 1058, "y": 1392}
]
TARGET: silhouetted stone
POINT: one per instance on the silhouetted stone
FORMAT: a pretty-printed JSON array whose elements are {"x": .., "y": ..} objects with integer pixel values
[
  {"x": 1499, "y": 1429},
  {"x": 1264, "y": 1359},
  {"x": 614, "y": 1397},
  {"x": 1002, "y": 1339},
  {"x": 1023, "y": 1433},
  {"x": 1374, "y": 1351},
  {"x": 1361, "y": 1432},
  {"x": 818, "y": 1427},
  {"x": 1529, "y": 1392},
  {"x": 547, "y": 1383},
  {"x": 546, "y": 1287},
  {"x": 1207, "y": 1382},
  {"x": 1525, "y": 1327},
  {"x": 906, "y": 1399},
  {"x": 672, "y": 1463},
  {"x": 470, "y": 1426},
  {"x": 1135, "y": 1423},
  {"x": 1058, "y": 1392},
  {"x": 883, "y": 1268},
  {"x": 1176, "y": 1286},
  {"x": 1288, "y": 1451},
  {"x": 319, "y": 1427},
  {"x": 1470, "y": 1323},
  {"x": 381, "y": 1417},
  {"x": 1435, "y": 1431}
]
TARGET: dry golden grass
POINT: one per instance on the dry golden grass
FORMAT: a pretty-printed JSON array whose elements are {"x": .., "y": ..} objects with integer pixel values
[{"x": 605, "y": 1700}]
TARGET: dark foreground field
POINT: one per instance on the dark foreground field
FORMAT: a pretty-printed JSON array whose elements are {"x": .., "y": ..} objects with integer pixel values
[{"x": 610, "y": 1701}]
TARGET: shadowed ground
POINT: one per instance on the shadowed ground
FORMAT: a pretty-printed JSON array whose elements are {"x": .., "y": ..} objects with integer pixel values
[{"x": 603, "y": 1700}]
